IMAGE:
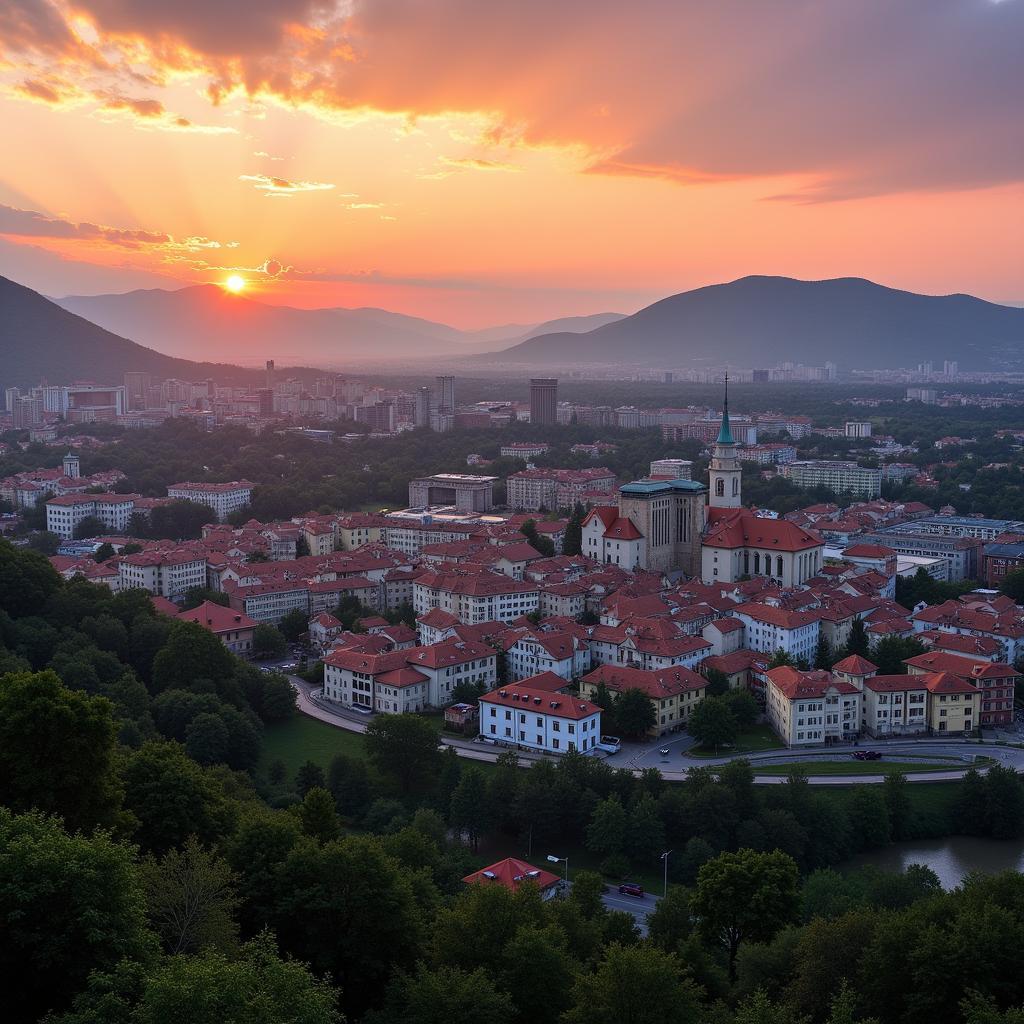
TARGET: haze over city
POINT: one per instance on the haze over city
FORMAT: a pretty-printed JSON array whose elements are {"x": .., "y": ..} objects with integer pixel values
[{"x": 480, "y": 164}]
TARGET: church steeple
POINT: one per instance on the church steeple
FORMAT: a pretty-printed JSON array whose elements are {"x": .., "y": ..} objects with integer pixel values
[
  {"x": 725, "y": 434},
  {"x": 725, "y": 472}
]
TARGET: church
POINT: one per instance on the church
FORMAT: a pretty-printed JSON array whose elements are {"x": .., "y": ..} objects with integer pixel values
[{"x": 681, "y": 525}]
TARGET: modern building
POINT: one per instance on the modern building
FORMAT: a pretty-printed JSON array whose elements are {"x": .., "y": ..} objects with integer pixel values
[
  {"x": 223, "y": 498},
  {"x": 857, "y": 428},
  {"x": 524, "y": 449},
  {"x": 544, "y": 400},
  {"x": 467, "y": 492},
  {"x": 533, "y": 490},
  {"x": 169, "y": 574},
  {"x": 66, "y": 511},
  {"x": 841, "y": 477},
  {"x": 674, "y": 469}
]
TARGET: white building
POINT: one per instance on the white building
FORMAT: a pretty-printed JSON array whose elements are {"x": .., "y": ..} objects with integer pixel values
[
  {"x": 769, "y": 629},
  {"x": 479, "y": 597},
  {"x": 537, "y": 719},
  {"x": 222, "y": 498},
  {"x": 807, "y": 708},
  {"x": 561, "y": 653},
  {"x": 165, "y": 573},
  {"x": 613, "y": 539},
  {"x": 66, "y": 511}
]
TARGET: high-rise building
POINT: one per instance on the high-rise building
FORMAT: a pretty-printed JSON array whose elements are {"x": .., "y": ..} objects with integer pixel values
[
  {"x": 446, "y": 395},
  {"x": 72, "y": 467},
  {"x": 266, "y": 401},
  {"x": 27, "y": 411},
  {"x": 11, "y": 396},
  {"x": 423, "y": 399},
  {"x": 136, "y": 386},
  {"x": 544, "y": 400},
  {"x": 270, "y": 373}
]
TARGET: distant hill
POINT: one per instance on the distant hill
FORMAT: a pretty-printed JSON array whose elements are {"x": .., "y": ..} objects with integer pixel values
[
  {"x": 40, "y": 340},
  {"x": 761, "y": 321},
  {"x": 193, "y": 321}
]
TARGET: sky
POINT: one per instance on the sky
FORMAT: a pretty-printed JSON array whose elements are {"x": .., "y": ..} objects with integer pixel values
[{"x": 490, "y": 162}]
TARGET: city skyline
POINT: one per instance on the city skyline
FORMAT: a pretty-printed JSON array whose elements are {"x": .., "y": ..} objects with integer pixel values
[{"x": 615, "y": 156}]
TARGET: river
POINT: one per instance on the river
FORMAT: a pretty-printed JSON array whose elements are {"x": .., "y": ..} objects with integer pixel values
[{"x": 949, "y": 858}]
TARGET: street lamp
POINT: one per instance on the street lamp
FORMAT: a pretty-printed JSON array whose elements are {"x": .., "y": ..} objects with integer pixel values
[
  {"x": 664, "y": 860},
  {"x": 559, "y": 860}
]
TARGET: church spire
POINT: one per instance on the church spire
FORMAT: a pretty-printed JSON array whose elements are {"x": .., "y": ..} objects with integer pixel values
[{"x": 725, "y": 434}]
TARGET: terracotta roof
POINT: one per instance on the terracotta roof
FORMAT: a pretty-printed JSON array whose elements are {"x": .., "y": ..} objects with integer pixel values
[
  {"x": 657, "y": 683},
  {"x": 216, "y": 618},
  {"x": 776, "y": 616},
  {"x": 961, "y": 665},
  {"x": 437, "y": 618},
  {"x": 855, "y": 665},
  {"x": 736, "y": 661},
  {"x": 796, "y": 685},
  {"x": 744, "y": 529},
  {"x": 729, "y": 625},
  {"x": 947, "y": 682},
  {"x": 868, "y": 551},
  {"x": 540, "y": 701},
  {"x": 895, "y": 683},
  {"x": 511, "y": 874}
]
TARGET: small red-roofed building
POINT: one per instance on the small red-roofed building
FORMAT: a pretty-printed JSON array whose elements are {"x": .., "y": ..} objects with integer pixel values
[
  {"x": 895, "y": 705},
  {"x": 534, "y": 718},
  {"x": 954, "y": 705},
  {"x": 563, "y": 654},
  {"x": 811, "y": 708},
  {"x": 234, "y": 629},
  {"x": 673, "y": 692},
  {"x": 324, "y": 629},
  {"x": 613, "y": 539},
  {"x": 512, "y": 874}
]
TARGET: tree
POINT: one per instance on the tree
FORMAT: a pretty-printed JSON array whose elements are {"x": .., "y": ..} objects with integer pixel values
[
  {"x": 195, "y": 596},
  {"x": 1012, "y": 585},
  {"x": 638, "y": 984},
  {"x": 572, "y": 543},
  {"x": 268, "y": 642},
  {"x": 293, "y": 625},
  {"x": 27, "y": 580},
  {"x": 759, "y": 1009},
  {"x": 90, "y": 526},
  {"x": 190, "y": 899},
  {"x": 645, "y": 838},
  {"x": 542, "y": 544},
  {"x": 1004, "y": 803},
  {"x": 191, "y": 653},
  {"x": 745, "y": 895},
  {"x": 257, "y": 987},
  {"x": 672, "y": 920},
  {"x": 718, "y": 682},
  {"x": 349, "y": 783},
  {"x": 442, "y": 996},
  {"x": 404, "y": 748},
  {"x": 44, "y": 542},
  {"x": 634, "y": 712},
  {"x": 744, "y": 707},
  {"x": 713, "y": 723},
  {"x": 318, "y": 816},
  {"x": 277, "y": 703},
  {"x": 309, "y": 776},
  {"x": 70, "y": 904},
  {"x": 57, "y": 749},
  {"x": 779, "y": 658},
  {"x": 897, "y": 804},
  {"x": 891, "y": 652},
  {"x": 172, "y": 797},
  {"x": 857, "y": 642},
  {"x": 470, "y": 807},
  {"x": 535, "y": 970},
  {"x": 103, "y": 552},
  {"x": 606, "y": 833},
  {"x": 970, "y": 805},
  {"x": 206, "y": 739},
  {"x": 869, "y": 817},
  {"x": 823, "y": 653}
]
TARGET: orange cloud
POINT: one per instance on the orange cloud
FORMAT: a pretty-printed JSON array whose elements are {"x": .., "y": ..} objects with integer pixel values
[{"x": 283, "y": 187}]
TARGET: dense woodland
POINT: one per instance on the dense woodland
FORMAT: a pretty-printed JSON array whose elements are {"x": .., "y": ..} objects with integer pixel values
[{"x": 156, "y": 867}]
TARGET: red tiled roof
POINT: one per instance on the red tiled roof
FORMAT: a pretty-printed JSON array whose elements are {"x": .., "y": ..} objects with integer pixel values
[
  {"x": 540, "y": 701},
  {"x": 855, "y": 665},
  {"x": 657, "y": 683},
  {"x": 216, "y": 618},
  {"x": 744, "y": 529},
  {"x": 796, "y": 685},
  {"x": 511, "y": 874}
]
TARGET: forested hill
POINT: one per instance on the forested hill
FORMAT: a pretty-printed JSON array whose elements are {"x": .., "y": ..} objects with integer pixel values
[
  {"x": 39, "y": 339},
  {"x": 762, "y": 321}
]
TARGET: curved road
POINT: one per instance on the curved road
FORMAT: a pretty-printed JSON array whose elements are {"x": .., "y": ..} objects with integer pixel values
[{"x": 676, "y": 764}]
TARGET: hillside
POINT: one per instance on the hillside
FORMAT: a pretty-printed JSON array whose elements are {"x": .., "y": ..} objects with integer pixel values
[
  {"x": 40, "y": 340},
  {"x": 192, "y": 321},
  {"x": 762, "y": 321}
]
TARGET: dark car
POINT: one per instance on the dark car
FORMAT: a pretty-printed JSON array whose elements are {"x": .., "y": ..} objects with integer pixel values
[
  {"x": 631, "y": 889},
  {"x": 867, "y": 755}
]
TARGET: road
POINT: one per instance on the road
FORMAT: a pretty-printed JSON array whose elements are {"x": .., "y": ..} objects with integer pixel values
[
  {"x": 676, "y": 764},
  {"x": 638, "y": 906}
]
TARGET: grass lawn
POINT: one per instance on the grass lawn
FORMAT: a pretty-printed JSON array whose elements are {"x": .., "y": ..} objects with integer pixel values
[
  {"x": 303, "y": 739},
  {"x": 760, "y": 737},
  {"x": 852, "y": 767}
]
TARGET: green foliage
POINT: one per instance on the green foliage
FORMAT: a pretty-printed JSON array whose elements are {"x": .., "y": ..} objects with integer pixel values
[
  {"x": 442, "y": 996},
  {"x": 268, "y": 642},
  {"x": 713, "y": 722},
  {"x": 293, "y": 625},
  {"x": 70, "y": 904},
  {"x": 404, "y": 749},
  {"x": 633, "y": 713},
  {"x": 195, "y": 596},
  {"x": 191, "y": 653},
  {"x": 27, "y": 580},
  {"x": 891, "y": 651},
  {"x": 90, "y": 526},
  {"x": 318, "y": 816},
  {"x": 57, "y": 751},
  {"x": 45, "y": 543}
]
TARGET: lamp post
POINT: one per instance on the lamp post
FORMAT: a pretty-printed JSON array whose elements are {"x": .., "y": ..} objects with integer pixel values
[
  {"x": 559, "y": 860},
  {"x": 664, "y": 860}
]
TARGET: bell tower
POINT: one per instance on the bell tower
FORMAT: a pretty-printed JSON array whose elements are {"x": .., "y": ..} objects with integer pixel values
[{"x": 725, "y": 472}]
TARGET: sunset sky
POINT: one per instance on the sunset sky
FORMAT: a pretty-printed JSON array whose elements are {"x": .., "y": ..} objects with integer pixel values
[{"x": 484, "y": 161}]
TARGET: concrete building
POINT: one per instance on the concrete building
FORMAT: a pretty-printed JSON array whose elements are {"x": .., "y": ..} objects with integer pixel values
[
  {"x": 520, "y": 715},
  {"x": 857, "y": 428},
  {"x": 807, "y": 708},
  {"x": 535, "y": 489},
  {"x": 962, "y": 554},
  {"x": 223, "y": 498},
  {"x": 673, "y": 692},
  {"x": 841, "y": 477},
  {"x": 613, "y": 539},
  {"x": 770, "y": 629},
  {"x": 66, "y": 511},
  {"x": 167, "y": 574},
  {"x": 669, "y": 515},
  {"x": 524, "y": 449},
  {"x": 544, "y": 400},
  {"x": 743, "y": 544},
  {"x": 467, "y": 492}
]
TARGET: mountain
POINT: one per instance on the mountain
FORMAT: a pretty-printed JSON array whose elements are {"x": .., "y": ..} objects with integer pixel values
[
  {"x": 193, "y": 321},
  {"x": 39, "y": 339},
  {"x": 761, "y": 321}
]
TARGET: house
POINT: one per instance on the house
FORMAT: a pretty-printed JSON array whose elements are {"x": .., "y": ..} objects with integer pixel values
[
  {"x": 564, "y": 654},
  {"x": 534, "y": 718},
  {"x": 806, "y": 708},
  {"x": 233, "y": 629},
  {"x": 743, "y": 669},
  {"x": 725, "y": 635},
  {"x": 674, "y": 692},
  {"x": 512, "y": 874},
  {"x": 323, "y": 629},
  {"x": 994, "y": 682},
  {"x": 462, "y": 717},
  {"x": 613, "y": 539},
  {"x": 770, "y": 628},
  {"x": 953, "y": 705}
]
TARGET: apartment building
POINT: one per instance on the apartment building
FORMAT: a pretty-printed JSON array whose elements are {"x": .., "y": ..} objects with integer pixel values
[
  {"x": 477, "y": 597},
  {"x": 673, "y": 692},
  {"x": 223, "y": 498},
  {"x": 169, "y": 574},
  {"x": 841, "y": 477},
  {"x": 66, "y": 511},
  {"x": 535, "y": 489},
  {"x": 520, "y": 715},
  {"x": 807, "y": 708},
  {"x": 564, "y": 654},
  {"x": 769, "y": 629}
]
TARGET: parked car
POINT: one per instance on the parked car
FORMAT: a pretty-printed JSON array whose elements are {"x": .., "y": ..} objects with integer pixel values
[
  {"x": 663, "y": 751},
  {"x": 867, "y": 755},
  {"x": 631, "y": 889}
]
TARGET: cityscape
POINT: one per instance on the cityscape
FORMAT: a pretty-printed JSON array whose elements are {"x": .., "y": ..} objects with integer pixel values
[{"x": 511, "y": 514}]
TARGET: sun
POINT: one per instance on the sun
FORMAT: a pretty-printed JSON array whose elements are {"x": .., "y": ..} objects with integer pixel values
[{"x": 235, "y": 283}]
